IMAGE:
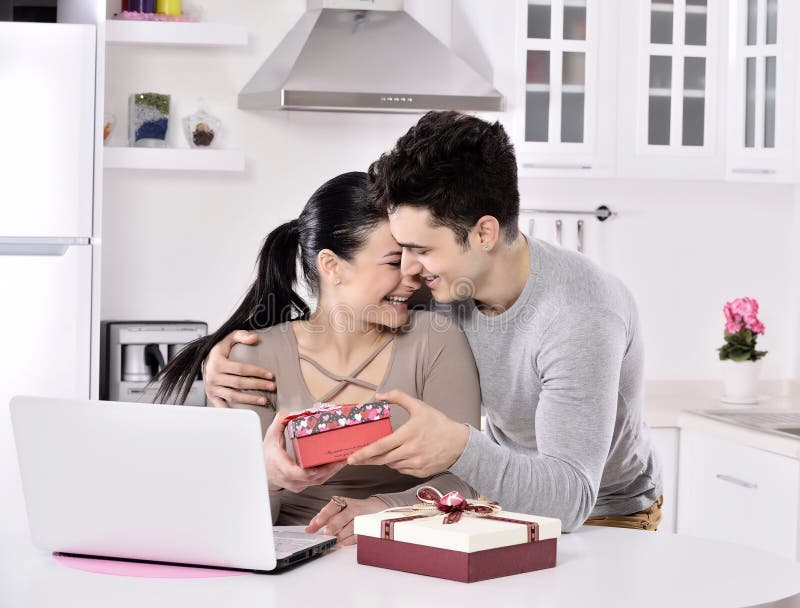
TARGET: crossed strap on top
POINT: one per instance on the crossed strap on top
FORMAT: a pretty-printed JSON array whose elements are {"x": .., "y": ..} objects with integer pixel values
[{"x": 351, "y": 377}]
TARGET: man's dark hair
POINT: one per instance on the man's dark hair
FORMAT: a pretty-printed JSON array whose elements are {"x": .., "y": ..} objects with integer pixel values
[{"x": 457, "y": 166}]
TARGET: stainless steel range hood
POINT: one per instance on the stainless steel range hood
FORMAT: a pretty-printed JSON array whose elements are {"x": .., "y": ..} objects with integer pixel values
[{"x": 365, "y": 61}]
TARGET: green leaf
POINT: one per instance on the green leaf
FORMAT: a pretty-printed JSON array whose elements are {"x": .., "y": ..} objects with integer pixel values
[
  {"x": 740, "y": 346},
  {"x": 740, "y": 354}
]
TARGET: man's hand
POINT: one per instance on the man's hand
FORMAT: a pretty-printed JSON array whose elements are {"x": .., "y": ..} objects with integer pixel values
[
  {"x": 340, "y": 523},
  {"x": 282, "y": 471},
  {"x": 222, "y": 377},
  {"x": 428, "y": 443}
]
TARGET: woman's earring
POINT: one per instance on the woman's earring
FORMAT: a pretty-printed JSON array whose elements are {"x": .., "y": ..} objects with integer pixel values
[
  {"x": 337, "y": 281},
  {"x": 486, "y": 247}
]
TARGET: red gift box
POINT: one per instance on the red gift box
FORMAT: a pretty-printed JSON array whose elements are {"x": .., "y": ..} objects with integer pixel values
[
  {"x": 330, "y": 432},
  {"x": 485, "y": 543}
]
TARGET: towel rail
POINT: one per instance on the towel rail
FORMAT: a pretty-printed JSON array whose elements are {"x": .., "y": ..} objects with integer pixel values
[{"x": 602, "y": 213}]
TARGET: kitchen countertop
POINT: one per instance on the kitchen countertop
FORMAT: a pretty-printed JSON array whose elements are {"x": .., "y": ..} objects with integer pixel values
[
  {"x": 666, "y": 399},
  {"x": 679, "y": 404},
  {"x": 743, "y": 435},
  {"x": 596, "y": 566}
]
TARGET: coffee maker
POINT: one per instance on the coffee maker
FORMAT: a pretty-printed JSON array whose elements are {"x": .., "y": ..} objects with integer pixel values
[{"x": 133, "y": 352}]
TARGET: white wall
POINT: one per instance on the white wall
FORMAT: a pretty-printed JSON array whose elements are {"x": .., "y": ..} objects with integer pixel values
[
  {"x": 684, "y": 249},
  {"x": 183, "y": 245}
]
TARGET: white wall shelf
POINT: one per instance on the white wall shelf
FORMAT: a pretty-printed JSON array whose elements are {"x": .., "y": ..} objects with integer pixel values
[
  {"x": 172, "y": 159},
  {"x": 119, "y": 31}
]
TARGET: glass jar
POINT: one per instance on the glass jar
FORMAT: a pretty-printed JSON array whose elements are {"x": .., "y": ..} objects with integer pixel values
[
  {"x": 202, "y": 129},
  {"x": 148, "y": 120}
]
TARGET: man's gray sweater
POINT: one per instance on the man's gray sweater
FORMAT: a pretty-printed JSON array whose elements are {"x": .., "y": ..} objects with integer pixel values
[{"x": 561, "y": 376}]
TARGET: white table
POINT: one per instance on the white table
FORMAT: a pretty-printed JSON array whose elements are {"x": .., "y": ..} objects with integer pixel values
[{"x": 596, "y": 567}]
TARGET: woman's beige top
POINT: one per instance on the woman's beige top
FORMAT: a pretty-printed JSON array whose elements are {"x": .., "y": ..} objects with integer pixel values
[{"x": 430, "y": 360}]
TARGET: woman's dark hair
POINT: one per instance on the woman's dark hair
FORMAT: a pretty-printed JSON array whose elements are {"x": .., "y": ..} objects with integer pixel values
[
  {"x": 457, "y": 166},
  {"x": 339, "y": 217}
]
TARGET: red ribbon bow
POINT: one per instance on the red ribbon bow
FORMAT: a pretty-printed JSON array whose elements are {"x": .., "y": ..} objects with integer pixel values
[{"x": 453, "y": 504}]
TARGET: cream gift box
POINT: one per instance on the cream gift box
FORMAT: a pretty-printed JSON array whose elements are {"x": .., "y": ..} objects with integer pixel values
[{"x": 476, "y": 547}]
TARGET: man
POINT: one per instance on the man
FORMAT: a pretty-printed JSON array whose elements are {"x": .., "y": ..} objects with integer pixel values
[{"x": 556, "y": 340}]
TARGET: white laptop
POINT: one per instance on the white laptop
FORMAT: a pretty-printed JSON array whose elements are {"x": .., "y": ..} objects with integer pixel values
[{"x": 157, "y": 483}]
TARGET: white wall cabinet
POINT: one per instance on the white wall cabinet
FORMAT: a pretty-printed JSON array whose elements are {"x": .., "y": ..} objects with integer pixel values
[
  {"x": 739, "y": 494},
  {"x": 670, "y": 56},
  {"x": 682, "y": 89},
  {"x": 761, "y": 101},
  {"x": 564, "y": 92},
  {"x": 666, "y": 441}
]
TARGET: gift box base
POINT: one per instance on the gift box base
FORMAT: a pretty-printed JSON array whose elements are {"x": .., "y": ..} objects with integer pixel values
[
  {"x": 338, "y": 444},
  {"x": 457, "y": 565}
]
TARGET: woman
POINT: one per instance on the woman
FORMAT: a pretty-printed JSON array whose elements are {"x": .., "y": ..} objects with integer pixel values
[{"x": 360, "y": 339}]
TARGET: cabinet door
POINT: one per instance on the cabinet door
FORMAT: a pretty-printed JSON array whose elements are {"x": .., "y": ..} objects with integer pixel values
[
  {"x": 45, "y": 316},
  {"x": 762, "y": 90},
  {"x": 564, "y": 118},
  {"x": 739, "y": 494},
  {"x": 670, "y": 84},
  {"x": 666, "y": 441},
  {"x": 47, "y": 109}
]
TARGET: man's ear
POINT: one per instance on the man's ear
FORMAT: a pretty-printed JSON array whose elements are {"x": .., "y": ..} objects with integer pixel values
[
  {"x": 486, "y": 233},
  {"x": 330, "y": 266}
]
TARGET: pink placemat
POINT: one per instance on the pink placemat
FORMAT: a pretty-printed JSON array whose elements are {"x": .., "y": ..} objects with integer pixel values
[{"x": 140, "y": 569}]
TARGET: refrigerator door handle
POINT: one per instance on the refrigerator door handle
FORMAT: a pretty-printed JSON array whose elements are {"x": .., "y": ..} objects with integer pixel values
[{"x": 38, "y": 246}]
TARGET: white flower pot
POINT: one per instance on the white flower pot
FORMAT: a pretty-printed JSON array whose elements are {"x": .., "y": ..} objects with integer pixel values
[{"x": 740, "y": 381}]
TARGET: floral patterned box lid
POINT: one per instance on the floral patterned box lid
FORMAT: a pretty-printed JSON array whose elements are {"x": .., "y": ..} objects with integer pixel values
[{"x": 331, "y": 416}]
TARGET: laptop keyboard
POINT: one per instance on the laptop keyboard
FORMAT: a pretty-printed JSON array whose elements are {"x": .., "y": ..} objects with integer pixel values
[{"x": 287, "y": 543}]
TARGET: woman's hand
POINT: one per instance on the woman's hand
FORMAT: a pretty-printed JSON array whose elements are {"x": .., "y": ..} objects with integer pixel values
[
  {"x": 282, "y": 471},
  {"x": 338, "y": 522},
  {"x": 222, "y": 377}
]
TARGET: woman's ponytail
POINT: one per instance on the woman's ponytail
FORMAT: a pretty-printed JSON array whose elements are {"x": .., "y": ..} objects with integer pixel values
[
  {"x": 339, "y": 216},
  {"x": 271, "y": 299}
]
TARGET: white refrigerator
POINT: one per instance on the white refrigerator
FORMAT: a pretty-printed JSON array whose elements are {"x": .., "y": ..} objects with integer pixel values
[{"x": 47, "y": 117}]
